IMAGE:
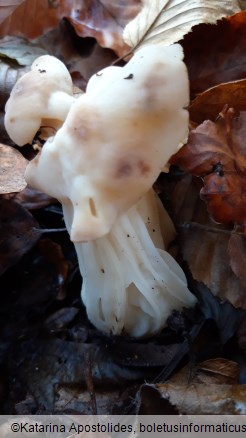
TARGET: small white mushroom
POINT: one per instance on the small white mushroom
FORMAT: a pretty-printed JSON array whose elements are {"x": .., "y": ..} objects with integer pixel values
[{"x": 42, "y": 96}]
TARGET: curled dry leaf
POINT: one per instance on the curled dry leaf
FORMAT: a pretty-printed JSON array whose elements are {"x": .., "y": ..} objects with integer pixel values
[
  {"x": 216, "y": 151},
  {"x": 212, "y": 389},
  {"x": 215, "y": 54},
  {"x": 208, "y": 104},
  {"x": 12, "y": 169},
  {"x": 103, "y": 20},
  {"x": 166, "y": 22}
]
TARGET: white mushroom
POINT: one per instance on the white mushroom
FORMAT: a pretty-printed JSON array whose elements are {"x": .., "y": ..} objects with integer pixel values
[
  {"x": 101, "y": 165},
  {"x": 130, "y": 283},
  {"x": 116, "y": 139},
  {"x": 42, "y": 96}
]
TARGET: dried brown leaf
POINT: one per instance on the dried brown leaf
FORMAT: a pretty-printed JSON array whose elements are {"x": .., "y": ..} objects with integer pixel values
[
  {"x": 215, "y": 54},
  {"x": 200, "y": 399},
  {"x": 103, "y": 20},
  {"x": 211, "y": 389},
  {"x": 47, "y": 15},
  {"x": 216, "y": 151},
  {"x": 8, "y": 8},
  {"x": 212, "y": 371},
  {"x": 204, "y": 244},
  {"x": 13, "y": 166},
  {"x": 208, "y": 104}
]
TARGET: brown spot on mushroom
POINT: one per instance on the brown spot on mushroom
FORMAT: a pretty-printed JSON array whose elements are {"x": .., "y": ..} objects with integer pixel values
[
  {"x": 124, "y": 169},
  {"x": 143, "y": 167}
]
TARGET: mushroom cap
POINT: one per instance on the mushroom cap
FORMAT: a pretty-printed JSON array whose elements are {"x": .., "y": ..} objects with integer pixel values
[
  {"x": 116, "y": 139},
  {"x": 46, "y": 92}
]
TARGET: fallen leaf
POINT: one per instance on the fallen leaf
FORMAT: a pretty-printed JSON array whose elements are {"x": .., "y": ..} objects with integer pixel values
[
  {"x": 212, "y": 371},
  {"x": 47, "y": 15},
  {"x": 215, "y": 54},
  {"x": 31, "y": 199},
  {"x": 208, "y": 104},
  {"x": 20, "y": 50},
  {"x": 195, "y": 399},
  {"x": 204, "y": 247},
  {"x": 13, "y": 166},
  {"x": 9, "y": 74},
  {"x": 49, "y": 364},
  {"x": 103, "y": 20},
  {"x": 8, "y": 8},
  {"x": 211, "y": 387},
  {"x": 219, "y": 371},
  {"x": 216, "y": 152},
  {"x": 77, "y": 400},
  {"x": 166, "y": 22},
  {"x": 18, "y": 233},
  {"x": 83, "y": 58}
]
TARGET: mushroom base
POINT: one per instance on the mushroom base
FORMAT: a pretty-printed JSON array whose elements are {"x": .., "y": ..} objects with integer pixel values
[{"x": 130, "y": 283}]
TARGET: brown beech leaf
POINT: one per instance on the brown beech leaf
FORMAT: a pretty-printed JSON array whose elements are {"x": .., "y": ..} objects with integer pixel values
[
  {"x": 46, "y": 13},
  {"x": 103, "y": 20},
  {"x": 18, "y": 233},
  {"x": 215, "y": 54},
  {"x": 211, "y": 387},
  {"x": 208, "y": 104},
  {"x": 203, "y": 243},
  {"x": 12, "y": 169},
  {"x": 8, "y": 8},
  {"x": 212, "y": 371},
  {"x": 216, "y": 151},
  {"x": 194, "y": 399}
]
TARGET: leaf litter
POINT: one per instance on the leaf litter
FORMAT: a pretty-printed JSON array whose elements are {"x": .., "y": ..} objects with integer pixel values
[{"x": 55, "y": 357}]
